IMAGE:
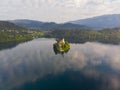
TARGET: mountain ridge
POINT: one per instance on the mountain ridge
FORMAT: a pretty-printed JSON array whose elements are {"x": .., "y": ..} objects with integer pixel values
[
  {"x": 6, "y": 25},
  {"x": 100, "y": 22},
  {"x": 33, "y": 24},
  {"x": 94, "y": 23}
]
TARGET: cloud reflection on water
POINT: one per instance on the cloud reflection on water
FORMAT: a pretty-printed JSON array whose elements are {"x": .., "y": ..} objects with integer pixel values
[{"x": 34, "y": 60}]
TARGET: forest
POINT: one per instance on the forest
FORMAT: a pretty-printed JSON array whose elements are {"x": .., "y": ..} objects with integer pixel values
[
  {"x": 10, "y": 32},
  {"x": 81, "y": 36},
  {"x": 18, "y": 35}
]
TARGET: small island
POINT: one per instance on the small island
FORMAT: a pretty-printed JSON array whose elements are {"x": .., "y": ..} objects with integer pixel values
[{"x": 61, "y": 46}]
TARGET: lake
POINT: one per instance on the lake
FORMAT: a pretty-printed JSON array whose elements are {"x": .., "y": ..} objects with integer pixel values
[{"x": 33, "y": 65}]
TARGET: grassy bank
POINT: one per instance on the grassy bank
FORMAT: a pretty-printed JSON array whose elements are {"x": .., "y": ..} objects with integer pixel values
[{"x": 18, "y": 35}]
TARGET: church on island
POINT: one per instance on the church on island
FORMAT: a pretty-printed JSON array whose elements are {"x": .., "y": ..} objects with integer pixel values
[
  {"x": 61, "y": 41},
  {"x": 61, "y": 46}
]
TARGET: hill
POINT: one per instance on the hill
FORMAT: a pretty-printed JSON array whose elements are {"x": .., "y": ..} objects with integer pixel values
[
  {"x": 5, "y": 25},
  {"x": 32, "y": 24},
  {"x": 27, "y": 23},
  {"x": 100, "y": 22}
]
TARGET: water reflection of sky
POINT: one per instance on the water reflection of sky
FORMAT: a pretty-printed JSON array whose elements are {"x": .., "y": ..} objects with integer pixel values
[{"x": 35, "y": 59}]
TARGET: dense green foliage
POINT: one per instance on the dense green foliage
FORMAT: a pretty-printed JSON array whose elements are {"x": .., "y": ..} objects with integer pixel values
[
  {"x": 18, "y": 35},
  {"x": 63, "y": 48},
  {"x": 78, "y": 36},
  {"x": 12, "y": 34}
]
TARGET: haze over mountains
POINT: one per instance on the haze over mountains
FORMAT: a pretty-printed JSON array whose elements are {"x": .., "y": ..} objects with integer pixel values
[
  {"x": 95, "y": 23},
  {"x": 32, "y": 24},
  {"x": 100, "y": 22}
]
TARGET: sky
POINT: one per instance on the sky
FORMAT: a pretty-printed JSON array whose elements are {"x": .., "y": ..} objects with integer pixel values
[{"x": 56, "y": 10}]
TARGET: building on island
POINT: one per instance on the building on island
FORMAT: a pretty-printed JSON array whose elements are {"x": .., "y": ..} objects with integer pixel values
[
  {"x": 61, "y": 41},
  {"x": 62, "y": 46}
]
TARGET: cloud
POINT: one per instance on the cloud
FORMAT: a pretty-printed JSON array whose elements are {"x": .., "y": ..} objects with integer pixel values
[{"x": 56, "y": 10}]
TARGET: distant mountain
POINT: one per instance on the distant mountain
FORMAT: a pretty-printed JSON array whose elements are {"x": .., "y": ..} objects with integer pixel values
[
  {"x": 100, "y": 22},
  {"x": 27, "y": 23},
  {"x": 5, "y": 25},
  {"x": 32, "y": 24},
  {"x": 69, "y": 26}
]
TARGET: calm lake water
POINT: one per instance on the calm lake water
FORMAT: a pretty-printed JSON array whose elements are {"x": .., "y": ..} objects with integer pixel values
[{"x": 33, "y": 65}]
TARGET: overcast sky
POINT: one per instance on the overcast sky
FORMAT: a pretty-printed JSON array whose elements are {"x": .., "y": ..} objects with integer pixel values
[{"x": 56, "y": 10}]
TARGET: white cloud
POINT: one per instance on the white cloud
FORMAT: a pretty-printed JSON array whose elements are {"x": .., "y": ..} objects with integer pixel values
[{"x": 56, "y": 10}]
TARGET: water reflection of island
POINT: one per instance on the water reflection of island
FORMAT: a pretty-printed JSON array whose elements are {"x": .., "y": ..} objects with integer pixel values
[{"x": 61, "y": 47}]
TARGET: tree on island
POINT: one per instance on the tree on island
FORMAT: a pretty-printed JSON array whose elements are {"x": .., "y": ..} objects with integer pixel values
[{"x": 61, "y": 46}]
